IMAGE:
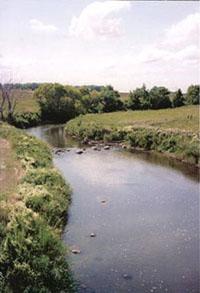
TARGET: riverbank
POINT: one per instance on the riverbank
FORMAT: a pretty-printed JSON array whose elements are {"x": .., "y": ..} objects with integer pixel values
[
  {"x": 171, "y": 131},
  {"x": 33, "y": 206}
]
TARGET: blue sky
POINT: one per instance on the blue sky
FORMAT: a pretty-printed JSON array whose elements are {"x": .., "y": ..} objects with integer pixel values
[{"x": 123, "y": 43}]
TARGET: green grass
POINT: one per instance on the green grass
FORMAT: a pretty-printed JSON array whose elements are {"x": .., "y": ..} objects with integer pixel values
[
  {"x": 25, "y": 101},
  {"x": 32, "y": 258},
  {"x": 178, "y": 118},
  {"x": 169, "y": 130}
]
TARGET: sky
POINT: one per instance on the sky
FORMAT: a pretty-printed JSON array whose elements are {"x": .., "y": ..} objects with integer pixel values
[{"x": 122, "y": 43}]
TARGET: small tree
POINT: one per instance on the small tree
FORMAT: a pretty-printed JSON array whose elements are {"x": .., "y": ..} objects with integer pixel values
[
  {"x": 89, "y": 102},
  {"x": 9, "y": 97},
  {"x": 192, "y": 96},
  {"x": 134, "y": 100},
  {"x": 178, "y": 99},
  {"x": 139, "y": 99},
  {"x": 159, "y": 98},
  {"x": 109, "y": 101},
  {"x": 3, "y": 99}
]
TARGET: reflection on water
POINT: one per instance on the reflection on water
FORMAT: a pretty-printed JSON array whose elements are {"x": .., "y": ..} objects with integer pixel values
[
  {"x": 147, "y": 230},
  {"x": 54, "y": 135}
]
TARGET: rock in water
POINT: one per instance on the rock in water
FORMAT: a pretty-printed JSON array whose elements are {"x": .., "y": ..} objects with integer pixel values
[
  {"x": 127, "y": 277},
  {"x": 103, "y": 201},
  {"x": 92, "y": 235},
  {"x": 76, "y": 251},
  {"x": 94, "y": 148},
  {"x": 79, "y": 152}
]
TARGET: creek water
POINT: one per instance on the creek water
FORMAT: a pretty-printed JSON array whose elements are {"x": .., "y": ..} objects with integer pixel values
[{"x": 147, "y": 227}]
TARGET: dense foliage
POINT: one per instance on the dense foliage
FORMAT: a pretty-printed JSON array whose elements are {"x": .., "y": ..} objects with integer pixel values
[
  {"x": 178, "y": 99},
  {"x": 55, "y": 104},
  {"x": 143, "y": 99},
  {"x": 172, "y": 131},
  {"x": 32, "y": 258},
  {"x": 27, "y": 119},
  {"x": 58, "y": 103},
  {"x": 193, "y": 95},
  {"x": 61, "y": 103}
]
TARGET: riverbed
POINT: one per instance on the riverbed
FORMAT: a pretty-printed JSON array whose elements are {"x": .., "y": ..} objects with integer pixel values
[{"x": 143, "y": 209}]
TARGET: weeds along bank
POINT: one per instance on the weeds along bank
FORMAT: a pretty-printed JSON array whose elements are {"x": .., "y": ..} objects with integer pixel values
[
  {"x": 172, "y": 131},
  {"x": 32, "y": 258}
]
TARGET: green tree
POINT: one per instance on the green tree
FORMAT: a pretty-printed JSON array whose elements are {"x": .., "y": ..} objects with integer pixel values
[
  {"x": 192, "y": 95},
  {"x": 178, "y": 99},
  {"x": 55, "y": 102},
  {"x": 159, "y": 98},
  {"x": 134, "y": 100},
  {"x": 139, "y": 99},
  {"x": 88, "y": 103},
  {"x": 109, "y": 101}
]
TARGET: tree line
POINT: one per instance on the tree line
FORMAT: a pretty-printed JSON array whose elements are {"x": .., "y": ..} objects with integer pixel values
[
  {"x": 159, "y": 98},
  {"x": 65, "y": 102},
  {"x": 34, "y": 85},
  {"x": 61, "y": 103}
]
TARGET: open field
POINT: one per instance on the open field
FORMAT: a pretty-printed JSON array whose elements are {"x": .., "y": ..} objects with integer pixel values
[
  {"x": 123, "y": 96},
  {"x": 172, "y": 131},
  {"x": 25, "y": 101},
  {"x": 183, "y": 118}
]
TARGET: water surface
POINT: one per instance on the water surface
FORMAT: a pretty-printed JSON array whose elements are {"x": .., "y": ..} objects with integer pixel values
[{"x": 147, "y": 230}]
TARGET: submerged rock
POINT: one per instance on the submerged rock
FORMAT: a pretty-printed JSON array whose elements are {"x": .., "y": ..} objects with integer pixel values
[
  {"x": 76, "y": 251},
  {"x": 57, "y": 151},
  {"x": 127, "y": 277},
  {"x": 94, "y": 148},
  {"x": 79, "y": 152},
  {"x": 103, "y": 201}
]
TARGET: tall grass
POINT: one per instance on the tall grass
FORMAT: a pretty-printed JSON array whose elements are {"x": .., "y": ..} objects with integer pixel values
[{"x": 32, "y": 258}]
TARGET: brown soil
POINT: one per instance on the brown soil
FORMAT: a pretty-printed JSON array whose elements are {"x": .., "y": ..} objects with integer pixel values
[{"x": 9, "y": 169}]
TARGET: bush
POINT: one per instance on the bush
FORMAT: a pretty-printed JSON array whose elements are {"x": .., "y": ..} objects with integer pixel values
[
  {"x": 27, "y": 119},
  {"x": 193, "y": 95},
  {"x": 32, "y": 258},
  {"x": 49, "y": 196}
]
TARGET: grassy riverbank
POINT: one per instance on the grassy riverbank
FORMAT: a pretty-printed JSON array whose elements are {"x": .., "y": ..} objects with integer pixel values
[
  {"x": 172, "y": 131},
  {"x": 33, "y": 205}
]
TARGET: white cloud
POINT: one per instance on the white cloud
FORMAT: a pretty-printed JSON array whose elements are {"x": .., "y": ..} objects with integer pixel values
[
  {"x": 180, "y": 43},
  {"x": 37, "y": 25},
  {"x": 173, "y": 64},
  {"x": 96, "y": 21},
  {"x": 184, "y": 32},
  {"x": 152, "y": 54}
]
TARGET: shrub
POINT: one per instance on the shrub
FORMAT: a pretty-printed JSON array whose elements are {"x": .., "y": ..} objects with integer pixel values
[
  {"x": 27, "y": 119},
  {"x": 32, "y": 258}
]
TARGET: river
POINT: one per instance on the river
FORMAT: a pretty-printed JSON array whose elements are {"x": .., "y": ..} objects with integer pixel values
[{"x": 144, "y": 211}]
